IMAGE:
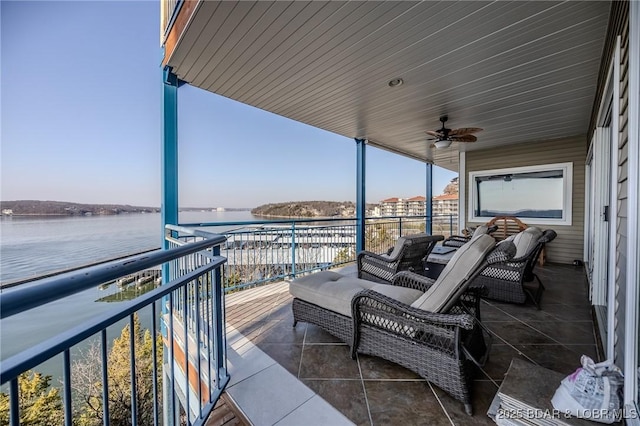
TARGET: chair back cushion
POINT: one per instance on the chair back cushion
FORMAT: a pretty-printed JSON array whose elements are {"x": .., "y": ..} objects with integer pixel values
[
  {"x": 400, "y": 242},
  {"x": 526, "y": 241},
  {"x": 480, "y": 230},
  {"x": 456, "y": 274}
]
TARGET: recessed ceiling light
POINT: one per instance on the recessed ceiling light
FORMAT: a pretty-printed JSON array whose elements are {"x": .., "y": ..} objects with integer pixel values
[{"x": 396, "y": 82}]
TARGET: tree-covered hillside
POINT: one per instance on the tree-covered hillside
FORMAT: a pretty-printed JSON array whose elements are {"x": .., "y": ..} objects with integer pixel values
[
  {"x": 62, "y": 208},
  {"x": 307, "y": 209}
]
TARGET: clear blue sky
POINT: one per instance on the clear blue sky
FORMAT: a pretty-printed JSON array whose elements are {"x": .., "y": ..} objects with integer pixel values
[{"x": 81, "y": 107}]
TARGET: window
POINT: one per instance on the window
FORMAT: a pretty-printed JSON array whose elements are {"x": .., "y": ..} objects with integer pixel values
[{"x": 535, "y": 194}]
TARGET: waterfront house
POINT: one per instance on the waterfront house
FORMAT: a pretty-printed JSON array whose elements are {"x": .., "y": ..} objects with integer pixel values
[{"x": 555, "y": 86}]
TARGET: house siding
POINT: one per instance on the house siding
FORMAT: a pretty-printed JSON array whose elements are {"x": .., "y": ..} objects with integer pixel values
[
  {"x": 620, "y": 13},
  {"x": 569, "y": 244}
]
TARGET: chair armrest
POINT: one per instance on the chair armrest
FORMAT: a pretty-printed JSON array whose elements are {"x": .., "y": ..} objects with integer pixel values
[
  {"x": 383, "y": 306},
  {"x": 371, "y": 258},
  {"x": 454, "y": 243},
  {"x": 457, "y": 238},
  {"x": 365, "y": 253},
  {"x": 507, "y": 271},
  {"x": 412, "y": 280}
]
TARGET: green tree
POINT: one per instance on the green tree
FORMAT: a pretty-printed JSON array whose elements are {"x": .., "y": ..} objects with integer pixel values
[
  {"x": 378, "y": 239},
  {"x": 39, "y": 403},
  {"x": 344, "y": 255},
  {"x": 232, "y": 279},
  {"x": 87, "y": 379}
]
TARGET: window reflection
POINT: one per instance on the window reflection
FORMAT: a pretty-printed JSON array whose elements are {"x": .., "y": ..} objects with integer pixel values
[{"x": 533, "y": 194}]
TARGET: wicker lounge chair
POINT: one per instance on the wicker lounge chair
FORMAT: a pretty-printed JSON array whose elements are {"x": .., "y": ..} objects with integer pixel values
[
  {"x": 506, "y": 281},
  {"x": 459, "y": 240},
  {"x": 408, "y": 254},
  {"x": 429, "y": 326}
]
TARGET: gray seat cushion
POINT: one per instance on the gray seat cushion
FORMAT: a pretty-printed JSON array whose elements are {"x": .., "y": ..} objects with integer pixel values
[{"x": 334, "y": 292}]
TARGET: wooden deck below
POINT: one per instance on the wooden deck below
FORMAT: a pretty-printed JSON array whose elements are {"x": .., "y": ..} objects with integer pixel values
[{"x": 225, "y": 413}]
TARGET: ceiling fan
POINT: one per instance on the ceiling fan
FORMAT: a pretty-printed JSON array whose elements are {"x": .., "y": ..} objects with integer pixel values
[{"x": 443, "y": 137}]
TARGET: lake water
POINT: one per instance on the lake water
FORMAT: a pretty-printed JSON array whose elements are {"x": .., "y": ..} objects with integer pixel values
[{"x": 33, "y": 246}]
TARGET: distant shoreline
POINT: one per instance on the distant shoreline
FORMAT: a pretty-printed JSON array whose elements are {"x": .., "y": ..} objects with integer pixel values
[{"x": 32, "y": 208}]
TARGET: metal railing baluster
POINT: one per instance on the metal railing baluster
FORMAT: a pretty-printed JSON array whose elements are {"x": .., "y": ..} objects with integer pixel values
[
  {"x": 132, "y": 367},
  {"x": 185, "y": 340},
  {"x": 198, "y": 349},
  {"x": 172, "y": 360},
  {"x": 293, "y": 249},
  {"x": 154, "y": 354},
  {"x": 105, "y": 377},
  {"x": 66, "y": 379},
  {"x": 14, "y": 401}
]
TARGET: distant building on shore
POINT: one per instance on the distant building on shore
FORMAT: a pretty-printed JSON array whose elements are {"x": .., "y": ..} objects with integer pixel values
[{"x": 445, "y": 204}]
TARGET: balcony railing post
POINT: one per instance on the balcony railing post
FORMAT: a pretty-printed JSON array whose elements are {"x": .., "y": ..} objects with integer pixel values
[
  {"x": 429, "y": 197},
  {"x": 218, "y": 316},
  {"x": 293, "y": 249},
  {"x": 450, "y": 224},
  {"x": 400, "y": 225},
  {"x": 360, "y": 193}
]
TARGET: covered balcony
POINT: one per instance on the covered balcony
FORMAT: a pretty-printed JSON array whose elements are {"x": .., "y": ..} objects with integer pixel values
[{"x": 554, "y": 86}]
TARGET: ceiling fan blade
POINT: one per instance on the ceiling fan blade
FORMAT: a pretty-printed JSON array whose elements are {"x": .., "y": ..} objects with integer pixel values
[
  {"x": 463, "y": 138},
  {"x": 464, "y": 131},
  {"x": 434, "y": 133}
]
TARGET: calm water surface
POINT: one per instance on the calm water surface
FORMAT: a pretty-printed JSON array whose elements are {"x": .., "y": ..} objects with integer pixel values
[{"x": 33, "y": 246}]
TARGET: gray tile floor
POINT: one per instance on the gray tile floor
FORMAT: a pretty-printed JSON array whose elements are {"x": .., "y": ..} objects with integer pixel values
[{"x": 371, "y": 391}]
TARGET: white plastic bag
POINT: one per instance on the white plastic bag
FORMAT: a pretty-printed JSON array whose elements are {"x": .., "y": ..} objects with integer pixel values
[{"x": 592, "y": 392}]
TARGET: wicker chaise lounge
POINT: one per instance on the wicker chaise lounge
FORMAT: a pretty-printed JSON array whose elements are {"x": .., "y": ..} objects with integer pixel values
[
  {"x": 408, "y": 254},
  {"x": 428, "y": 326}
]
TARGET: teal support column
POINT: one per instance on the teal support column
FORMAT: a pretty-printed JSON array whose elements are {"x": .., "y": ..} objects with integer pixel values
[
  {"x": 169, "y": 207},
  {"x": 360, "y": 193},
  {"x": 429, "y": 201},
  {"x": 169, "y": 215}
]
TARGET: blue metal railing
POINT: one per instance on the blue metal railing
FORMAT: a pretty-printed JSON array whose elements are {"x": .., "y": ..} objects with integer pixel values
[
  {"x": 192, "y": 309},
  {"x": 271, "y": 250},
  {"x": 192, "y": 332}
]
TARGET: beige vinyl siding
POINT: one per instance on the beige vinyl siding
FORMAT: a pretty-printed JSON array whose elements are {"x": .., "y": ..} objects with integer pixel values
[
  {"x": 568, "y": 246},
  {"x": 621, "y": 232}
]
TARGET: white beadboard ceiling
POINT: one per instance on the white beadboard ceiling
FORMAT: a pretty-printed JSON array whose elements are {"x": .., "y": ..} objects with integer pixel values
[{"x": 524, "y": 70}]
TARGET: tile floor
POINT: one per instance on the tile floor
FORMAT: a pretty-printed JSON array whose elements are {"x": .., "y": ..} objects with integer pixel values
[{"x": 371, "y": 391}]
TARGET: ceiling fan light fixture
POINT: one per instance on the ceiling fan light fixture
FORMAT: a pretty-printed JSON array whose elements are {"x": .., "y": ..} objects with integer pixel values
[{"x": 442, "y": 144}]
